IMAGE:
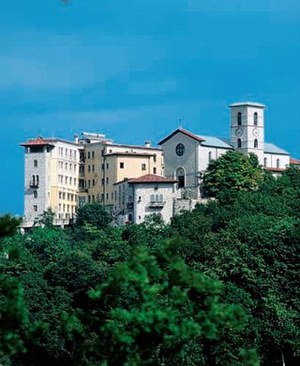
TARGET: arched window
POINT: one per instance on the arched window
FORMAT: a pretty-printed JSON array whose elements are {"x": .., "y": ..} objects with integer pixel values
[
  {"x": 35, "y": 194},
  {"x": 152, "y": 198},
  {"x": 239, "y": 143},
  {"x": 255, "y": 118},
  {"x": 265, "y": 162},
  {"x": 277, "y": 163},
  {"x": 130, "y": 217},
  {"x": 255, "y": 143},
  {"x": 239, "y": 118},
  {"x": 180, "y": 176}
]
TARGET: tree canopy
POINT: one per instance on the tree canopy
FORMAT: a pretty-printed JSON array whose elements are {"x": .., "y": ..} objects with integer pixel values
[{"x": 217, "y": 286}]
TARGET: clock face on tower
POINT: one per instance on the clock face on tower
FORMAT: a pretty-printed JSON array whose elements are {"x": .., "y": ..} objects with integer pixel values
[
  {"x": 180, "y": 149},
  {"x": 238, "y": 132},
  {"x": 255, "y": 132}
]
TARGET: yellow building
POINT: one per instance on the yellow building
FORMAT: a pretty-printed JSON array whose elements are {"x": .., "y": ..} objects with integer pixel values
[{"x": 106, "y": 163}]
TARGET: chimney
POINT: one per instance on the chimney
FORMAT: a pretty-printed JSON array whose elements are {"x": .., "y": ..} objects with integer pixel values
[
  {"x": 76, "y": 139},
  {"x": 147, "y": 143}
]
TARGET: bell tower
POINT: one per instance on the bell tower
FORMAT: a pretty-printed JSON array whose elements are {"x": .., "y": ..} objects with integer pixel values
[{"x": 247, "y": 128}]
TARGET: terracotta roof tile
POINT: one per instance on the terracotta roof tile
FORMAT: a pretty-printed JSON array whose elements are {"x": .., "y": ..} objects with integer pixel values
[
  {"x": 185, "y": 132},
  {"x": 294, "y": 161},
  {"x": 276, "y": 169},
  {"x": 152, "y": 178},
  {"x": 39, "y": 141}
]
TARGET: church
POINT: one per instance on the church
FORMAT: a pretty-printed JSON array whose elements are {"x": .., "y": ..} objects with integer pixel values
[{"x": 187, "y": 155}]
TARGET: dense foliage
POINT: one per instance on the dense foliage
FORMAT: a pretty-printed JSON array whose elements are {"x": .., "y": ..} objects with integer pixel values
[{"x": 217, "y": 286}]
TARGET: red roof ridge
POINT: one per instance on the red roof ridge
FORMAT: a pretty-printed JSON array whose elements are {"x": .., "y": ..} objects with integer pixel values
[
  {"x": 38, "y": 141},
  {"x": 152, "y": 178},
  {"x": 294, "y": 161},
  {"x": 185, "y": 132}
]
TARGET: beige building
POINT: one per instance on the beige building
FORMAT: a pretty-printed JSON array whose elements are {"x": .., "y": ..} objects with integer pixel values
[
  {"x": 51, "y": 179},
  {"x": 106, "y": 163},
  {"x": 144, "y": 196}
]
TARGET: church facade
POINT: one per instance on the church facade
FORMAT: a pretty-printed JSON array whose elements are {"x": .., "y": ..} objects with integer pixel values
[{"x": 187, "y": 154}]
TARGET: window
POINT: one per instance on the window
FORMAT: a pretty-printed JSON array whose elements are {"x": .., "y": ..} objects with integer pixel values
[
  {"x": 107, "y": 165},
  {"x": 180, "y": 149},
  {"x": 35, "y": 208},
  {"x": 152, "y": 198},
  {"x": 93, "y": 168},
  {"x": 93, "y": 182},
  {"x": 239, "y": 143},
  {"x": 102, "y": 181},
  {"x": 107, "y": 180},
  {"x": 107, "y": 196},
  {"x": 255, "y": 143},
  {"x": 265, "y": 162},
  {"x": 154, "y": 158},
  {"x": 71, "y": 180},
  {"x": 143, "y": 166},
  {"x": 35, "y": 194},
  {"x": 66, "y": 166},
  {"x": 154, "y": 170},
  {"x": 35, "y": 163},
  {"x": 64, "y": 196},
  {"x": 89, "y": 168},
  {"x": 121, "y": 165},
  {"x": 239, "y": 119},
  {"x": 277, "y": 163},
  {"x": 93, "y": 154},
  {"x": 255, "y": 118},
  {"x": 180, "y": 177},
  {"x": 209, "y": 157},
  {"x": 89, "y": 155}
]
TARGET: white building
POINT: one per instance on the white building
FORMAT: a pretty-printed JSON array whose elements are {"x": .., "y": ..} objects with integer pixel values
[
  {"x": 144, "y": 196},
  {"x": 51, "y": 179},
  {"x": 187, "y": 155}
]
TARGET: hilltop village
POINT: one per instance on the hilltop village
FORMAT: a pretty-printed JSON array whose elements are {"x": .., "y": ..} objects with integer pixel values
[{"x": 132, "y": 181}]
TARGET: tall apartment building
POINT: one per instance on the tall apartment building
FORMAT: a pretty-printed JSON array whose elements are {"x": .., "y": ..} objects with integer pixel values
[
  {"x": 61, "y": 175},
  {"x": 51, "y": 179},
  {"x": 106, "y": 163}
]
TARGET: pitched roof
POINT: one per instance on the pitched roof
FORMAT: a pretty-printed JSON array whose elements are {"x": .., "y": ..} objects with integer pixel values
[
  {"x": 152, "y": 178},
  {"x": 294, "y": 161},
  {"x": 273, "y": 149},
  {"x": 39, "y": 141},
  {"x": 216, "y": 142},
  {"x": 185, "y": 132}
]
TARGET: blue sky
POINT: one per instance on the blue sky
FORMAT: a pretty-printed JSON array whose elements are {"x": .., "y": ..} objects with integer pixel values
[{"x": 132, "y": 69}]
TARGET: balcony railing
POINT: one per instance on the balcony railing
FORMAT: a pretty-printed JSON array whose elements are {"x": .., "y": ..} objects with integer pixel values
[
  {"x": 34, "y": 184},
  {"x": 156, "y": 204}
]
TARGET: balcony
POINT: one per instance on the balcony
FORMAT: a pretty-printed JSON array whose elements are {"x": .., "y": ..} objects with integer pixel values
[
  {"x": 34, "y": 184},
  {"x": 156, "y": 204}
]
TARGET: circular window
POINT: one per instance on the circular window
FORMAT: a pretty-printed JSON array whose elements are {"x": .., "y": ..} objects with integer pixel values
[{"x": 180, "y": 149}]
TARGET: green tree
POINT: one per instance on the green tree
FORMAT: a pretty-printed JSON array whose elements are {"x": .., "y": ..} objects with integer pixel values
[
  {"x": 8, "y": 225},
  {"x": 93, "y": 214},
  {"x": 154, "y": 309},
  {"x": 230, "y": 173}
]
